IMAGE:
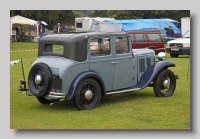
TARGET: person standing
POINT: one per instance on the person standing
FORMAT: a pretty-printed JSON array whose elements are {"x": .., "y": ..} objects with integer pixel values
[
  {"x": 17, "y": 35},
  {"x": 41, "y": 30},
  {"x": 58, "y": 28},
  {"x": 66, "y": 29},
  {"x": 20, "y": 33},
  {"x": 170, "y": 32}
]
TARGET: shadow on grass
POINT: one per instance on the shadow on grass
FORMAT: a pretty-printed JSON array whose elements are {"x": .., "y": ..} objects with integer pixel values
[
  {"x": 124, "y": 97},
  {"x": 182, "y": 56},
  {"x": 105, "y": 100}
]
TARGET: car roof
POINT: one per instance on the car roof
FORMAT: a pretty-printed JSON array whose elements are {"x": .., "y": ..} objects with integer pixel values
[
  {"x": 81, "y": 34},
  {"x": 142, "y": 31}
]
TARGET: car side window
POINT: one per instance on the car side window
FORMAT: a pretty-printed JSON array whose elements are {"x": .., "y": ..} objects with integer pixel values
[
  {"x": 154, "y": 37},
  {"x": 100, "y": 46},
  {"x": 140, "y": 38},
  {"x": 121, "y": 45}
]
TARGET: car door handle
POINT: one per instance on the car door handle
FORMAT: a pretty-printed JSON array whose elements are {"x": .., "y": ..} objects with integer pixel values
[{"x": 114, "y": 62}]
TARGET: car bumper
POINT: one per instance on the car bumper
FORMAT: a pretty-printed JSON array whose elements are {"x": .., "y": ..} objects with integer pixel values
[{"x": 182, "y": 50}]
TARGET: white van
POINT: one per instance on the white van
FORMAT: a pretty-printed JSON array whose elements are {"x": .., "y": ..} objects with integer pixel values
[
  {"x": 179, "y": 46},
  {"x": 85, "y": 24}
]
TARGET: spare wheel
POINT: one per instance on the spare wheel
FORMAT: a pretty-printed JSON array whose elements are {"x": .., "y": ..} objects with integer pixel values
[{"x": 40, "y": 79}]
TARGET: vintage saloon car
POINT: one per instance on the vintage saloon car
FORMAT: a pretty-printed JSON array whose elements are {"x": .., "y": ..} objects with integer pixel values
[{"x": 67, "y": 68}]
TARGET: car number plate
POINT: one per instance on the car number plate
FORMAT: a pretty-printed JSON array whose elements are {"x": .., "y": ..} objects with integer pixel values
[{"x": 175, "y": 49}]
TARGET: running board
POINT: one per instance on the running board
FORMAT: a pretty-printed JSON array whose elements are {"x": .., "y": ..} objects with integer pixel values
[{"x": 122, "y": 91}]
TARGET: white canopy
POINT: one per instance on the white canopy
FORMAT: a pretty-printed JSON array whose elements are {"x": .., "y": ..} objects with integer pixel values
[
  {"x": 21, "y": 20},
  {"x": 171, "y": 20}
]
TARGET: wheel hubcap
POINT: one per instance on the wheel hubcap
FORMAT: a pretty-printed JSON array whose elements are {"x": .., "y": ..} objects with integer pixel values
[
  {"x": 88, "y": 94},
  {"x": 38, "y": 79},
  {"x": 166, "y": 83}
]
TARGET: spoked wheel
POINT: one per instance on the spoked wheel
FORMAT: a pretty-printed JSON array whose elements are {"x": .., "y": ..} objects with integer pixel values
[
  {"x": 40, "y": 80},
  {"x": 88, "y": 94},
  {"x": 44, "y": 100},
  {"x": 164, "y": 84}
]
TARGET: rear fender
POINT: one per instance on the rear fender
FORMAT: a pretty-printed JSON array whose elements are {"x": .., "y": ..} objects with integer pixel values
[
  {"x": 79, "y": 78},
  {"x": 152, "y": 72}
]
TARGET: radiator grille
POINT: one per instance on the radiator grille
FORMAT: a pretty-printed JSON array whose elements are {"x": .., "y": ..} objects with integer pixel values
[
  {"x": 176, "y": 45},
  {"x": 142, "y": 65},
  {"x": 148, "y": 62}
]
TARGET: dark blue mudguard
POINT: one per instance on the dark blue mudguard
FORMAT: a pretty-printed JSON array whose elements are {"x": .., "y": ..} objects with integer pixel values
[
  {"x": 152, "y": 72},
  {"x": 79, "y": 78}
]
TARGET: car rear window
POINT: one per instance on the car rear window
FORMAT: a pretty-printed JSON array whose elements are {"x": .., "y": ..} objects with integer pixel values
[
  {"x": 53, "y": 48},
  {"x": 154, "y": 37}
]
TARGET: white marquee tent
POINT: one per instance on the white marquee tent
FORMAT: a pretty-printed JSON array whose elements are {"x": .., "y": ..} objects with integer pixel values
[{"x": 21, "y": 20}]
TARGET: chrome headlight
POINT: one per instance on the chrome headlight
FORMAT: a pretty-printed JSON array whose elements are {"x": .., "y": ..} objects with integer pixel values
[
  {"x": 186, "y": 45},
  {"x": 167, "y": 45},
  {"x": 161, "y": 56}
]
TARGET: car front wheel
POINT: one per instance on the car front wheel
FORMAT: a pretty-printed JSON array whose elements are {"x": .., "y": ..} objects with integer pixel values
[
  {"x": 88, "y": 94},
  {"x": 164, "y": 84}
]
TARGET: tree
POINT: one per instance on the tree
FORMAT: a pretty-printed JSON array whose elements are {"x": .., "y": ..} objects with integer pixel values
[{"x": 67, "y": 17}]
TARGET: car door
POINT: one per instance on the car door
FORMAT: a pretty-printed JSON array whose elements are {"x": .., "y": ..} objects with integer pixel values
[
  {"x": 101, "y": 61},
  {"x": 124, "y": 75},
  {"x": 140, "y": 41},
  {"x": 156, "y": 42}
]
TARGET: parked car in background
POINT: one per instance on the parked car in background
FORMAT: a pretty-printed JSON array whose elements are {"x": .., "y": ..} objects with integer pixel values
[
  {"x": 179, "y": 46},
  {"x": 147, "y": 39},
  {"x": 67, "y": 69},
  {"x": 161, "y": 30}
]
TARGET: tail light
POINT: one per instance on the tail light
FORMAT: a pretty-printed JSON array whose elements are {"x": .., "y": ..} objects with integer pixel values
[
  {"x": 56, "y": 76},
  {"x": 52, "y": 90},
  {"x": 20, "y": 88},
  {"x": 22, "y": 82}
]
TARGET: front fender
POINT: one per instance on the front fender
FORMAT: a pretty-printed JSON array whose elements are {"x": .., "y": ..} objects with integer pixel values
[
  {"x": 79, "y": 78},
  {"x": 152, "y": 72}
]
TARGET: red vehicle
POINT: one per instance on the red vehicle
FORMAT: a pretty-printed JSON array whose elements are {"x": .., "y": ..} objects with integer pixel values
[{"x": 147, "y": 39}]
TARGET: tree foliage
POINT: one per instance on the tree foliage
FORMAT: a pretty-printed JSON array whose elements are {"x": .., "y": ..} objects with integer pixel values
[{"x": 67, "y": 17}]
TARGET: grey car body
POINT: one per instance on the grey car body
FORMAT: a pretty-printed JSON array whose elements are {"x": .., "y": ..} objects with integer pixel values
[{"x": 71, "y": 71}]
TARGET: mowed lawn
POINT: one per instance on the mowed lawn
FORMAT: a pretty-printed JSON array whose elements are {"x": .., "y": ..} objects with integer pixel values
[{"x": 132, "y": 110}]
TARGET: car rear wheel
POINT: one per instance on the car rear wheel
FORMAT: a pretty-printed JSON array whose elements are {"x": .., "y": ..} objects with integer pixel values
[
  {"x": 164, "y": 84},
  {"x": 88, "y": 94},
  {"x": 40, "y": 80}
]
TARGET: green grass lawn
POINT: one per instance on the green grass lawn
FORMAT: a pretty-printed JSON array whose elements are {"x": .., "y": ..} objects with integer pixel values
[{"x": 132, "y": 110}]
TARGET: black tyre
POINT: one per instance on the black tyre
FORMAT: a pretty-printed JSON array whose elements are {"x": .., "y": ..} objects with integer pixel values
[
  {"x": 174, "y": 55},
  {"x": 88, "y": 94},
  {"x": 164, "y": 84},
  {"x": 44, "y": 101},
  {"x": 40, "y": 80}
]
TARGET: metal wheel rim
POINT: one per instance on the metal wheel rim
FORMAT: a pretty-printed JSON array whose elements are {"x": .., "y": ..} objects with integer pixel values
[
  {"x": 37, "y": 87},
  {"x": 84, "y": 89},
  {"x": 162, "y": 88}
]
